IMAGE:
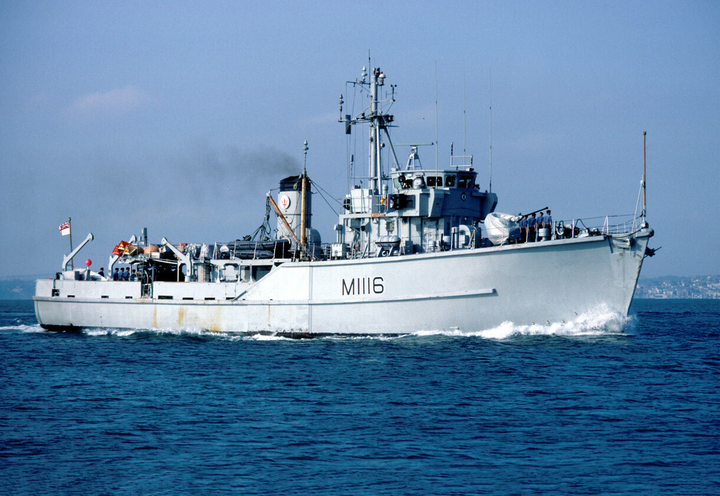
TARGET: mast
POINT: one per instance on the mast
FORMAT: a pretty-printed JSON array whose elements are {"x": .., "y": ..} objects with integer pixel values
[
  {"x": 374, "y": 165},
  {"x": 378, "y": 122},
  {"x": 490, "y": 98},
  {"x": 437, "y": 140},
  {"x": 644, "y": 210},
  {"x": 464, "y": 121},
  {"x": 303, "y": 201}
]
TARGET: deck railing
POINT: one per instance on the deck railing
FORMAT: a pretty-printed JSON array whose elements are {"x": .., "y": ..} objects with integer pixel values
[{"x": 609, "y": 224}]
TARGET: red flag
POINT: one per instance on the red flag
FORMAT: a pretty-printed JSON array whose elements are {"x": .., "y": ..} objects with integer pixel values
[{"x": 65, "y": 228}]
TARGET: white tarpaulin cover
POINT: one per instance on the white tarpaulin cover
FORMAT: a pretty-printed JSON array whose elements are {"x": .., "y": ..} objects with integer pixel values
[{"x": 501, "y": 228}]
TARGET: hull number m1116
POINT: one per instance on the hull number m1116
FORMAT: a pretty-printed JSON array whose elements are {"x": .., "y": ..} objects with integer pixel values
[{"x": 363, "y": 286}]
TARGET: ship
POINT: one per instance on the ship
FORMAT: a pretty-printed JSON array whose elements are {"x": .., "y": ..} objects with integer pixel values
[{"x": 416, "y": 248}]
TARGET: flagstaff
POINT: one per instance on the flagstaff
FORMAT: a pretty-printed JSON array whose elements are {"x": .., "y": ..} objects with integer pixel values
[{"x": 66, "y": 230}]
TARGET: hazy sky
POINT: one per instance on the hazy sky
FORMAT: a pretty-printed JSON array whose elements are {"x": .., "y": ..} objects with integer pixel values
[{"x": 180, "y": 116}]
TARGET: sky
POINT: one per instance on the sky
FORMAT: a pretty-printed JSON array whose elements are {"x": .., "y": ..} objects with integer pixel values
[{"x": 180, "y": 116}]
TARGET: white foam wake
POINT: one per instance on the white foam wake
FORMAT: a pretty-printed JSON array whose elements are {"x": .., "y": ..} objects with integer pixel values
[
  {"x": 23, "y": 328},
  {"x": 599, "y": 322},
  {"x": 266, "y": 337},
  {"x": 118, "y": 332}
]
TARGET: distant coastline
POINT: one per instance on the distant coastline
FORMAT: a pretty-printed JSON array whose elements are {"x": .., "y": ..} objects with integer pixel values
[
  {"x": 686, "y": 288},
  {"x": 17, "y": 288},
  {"x": 660, "y": 288}
]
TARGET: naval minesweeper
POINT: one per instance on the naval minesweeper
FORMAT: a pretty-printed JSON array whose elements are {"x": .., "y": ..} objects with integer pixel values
[{"x": 415, "y": 249}]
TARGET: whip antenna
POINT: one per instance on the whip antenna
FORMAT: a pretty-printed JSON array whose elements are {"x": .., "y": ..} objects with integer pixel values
[
  {"x": 464, "y": 120},
  {"x": 644, "y": 210},
  {"x": 490, "y": 99},
  {"x": 437, "y": 145}
]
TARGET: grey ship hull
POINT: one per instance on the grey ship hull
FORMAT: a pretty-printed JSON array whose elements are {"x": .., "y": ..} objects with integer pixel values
[{"x": 468, "y": 290}]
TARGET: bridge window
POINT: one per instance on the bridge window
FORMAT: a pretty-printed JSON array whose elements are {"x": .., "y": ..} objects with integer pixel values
[
  {"x": 450, "y": 181},
  {"x": 465, "y": 182},
  {"x": 433, "y": 181}
]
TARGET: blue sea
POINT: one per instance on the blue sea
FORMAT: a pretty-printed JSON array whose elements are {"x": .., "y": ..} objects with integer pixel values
[{"x": 597, "y": 407}]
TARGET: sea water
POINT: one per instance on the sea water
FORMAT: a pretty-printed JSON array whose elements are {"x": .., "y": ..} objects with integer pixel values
[{"x": 600, "y": 406}]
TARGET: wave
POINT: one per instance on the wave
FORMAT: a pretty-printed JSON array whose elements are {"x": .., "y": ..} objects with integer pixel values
[
  {"x": 23, "y": 328},
  {"x": 596, "y": 323},
  {"x": 185, "y": 332}
]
